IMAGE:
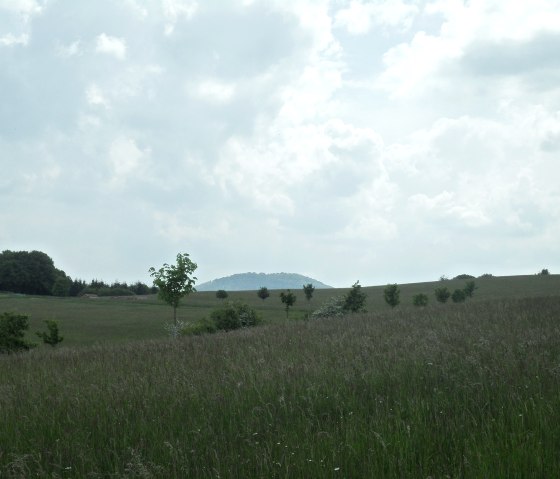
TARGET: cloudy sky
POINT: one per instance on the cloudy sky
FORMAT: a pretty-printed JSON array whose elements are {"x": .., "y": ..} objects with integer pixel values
[{"x": 379, "y": 140}]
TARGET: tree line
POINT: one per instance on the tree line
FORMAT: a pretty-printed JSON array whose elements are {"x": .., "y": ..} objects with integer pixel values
[{"x": 34, "y": 272}]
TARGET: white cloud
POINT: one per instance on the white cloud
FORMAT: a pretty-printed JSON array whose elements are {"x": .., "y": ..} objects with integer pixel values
[
  {"x": 126, "y": 160},
  {"x": 111, "y": 46},
  {"x": 70, "y": 50},
  {"x": 21, "y": 7},
  {"x": 9, "y": 39},
  {"x": 360, "y": 17},
  {"x": 213, "y": 90},
  {"x": 175, "y": 9},
  {"x": 95, "y": 96}
]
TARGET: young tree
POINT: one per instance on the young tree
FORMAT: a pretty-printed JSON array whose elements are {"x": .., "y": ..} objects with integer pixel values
[
  {"x": 12, "y": 333},
  {"x": 391, "y": 294},
  {"x": 469, "y": 289},
  {"x": 263, "y": 293},
  {"x": 355, "y": 299},
  {"x": 420, "y": 299},
  {"x": 544, "y": 272},
  {"x": 221, "y": 294},
  {"x": 308, "y": 290},
  {"x": 288, "y": 299},
  {"x": 175, "y": 281},
  {"x": 458, "y": 296},
  {"x": 442, "y": 294},
  {"x": 52, "y": 337}
]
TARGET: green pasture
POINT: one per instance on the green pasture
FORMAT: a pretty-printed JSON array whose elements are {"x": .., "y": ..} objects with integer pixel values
[{"x": 85, "y": 321}]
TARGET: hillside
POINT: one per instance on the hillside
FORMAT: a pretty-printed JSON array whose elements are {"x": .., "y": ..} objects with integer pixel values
[{"x": 254, "y": 281}]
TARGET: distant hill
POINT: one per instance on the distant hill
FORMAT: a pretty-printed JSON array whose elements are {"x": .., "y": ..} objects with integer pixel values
[{"x": 254, "y": 281}]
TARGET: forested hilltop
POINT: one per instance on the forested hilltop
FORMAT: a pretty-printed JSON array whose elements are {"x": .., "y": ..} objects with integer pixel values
[
  {"x": 34, "y": 273},
  {"x": 252, "y": 281}
]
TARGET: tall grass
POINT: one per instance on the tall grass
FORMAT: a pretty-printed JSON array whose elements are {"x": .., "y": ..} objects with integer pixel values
[{"x": 453, "y": 391}]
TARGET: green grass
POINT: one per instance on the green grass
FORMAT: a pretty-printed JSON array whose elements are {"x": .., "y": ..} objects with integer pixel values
[
  {"x": 85, "y": 321},
  {"x": 470, "y": 390}
]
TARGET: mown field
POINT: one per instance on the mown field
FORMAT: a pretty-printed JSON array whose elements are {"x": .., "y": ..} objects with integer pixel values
[{"x": 460, "y": 391}]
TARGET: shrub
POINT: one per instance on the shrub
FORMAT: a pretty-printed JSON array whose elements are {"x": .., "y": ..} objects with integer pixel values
[
  {"x": 442, "y": 294},
  {"x": 458, "y": 296},
  {"x": 486, "y": 275},
  {"x": 221, "y": 294},
  {"x": 355, "y": 299},
  {"x": 12, "y": 333},
  {"x": 469, "y": 289},
  {"x": 52, "y": 337},
  {"x": 544, "y": 272},
  {"x": 263, "y": 293},
  {"x": 234, "y": 316},
  {"x": 420, "y": 299},
  {"x": 308, "y": 290},
  {"x": 391, "y": 295},
  {"x": 333, "y": 308},
  {"x": 202, "y": 326}
]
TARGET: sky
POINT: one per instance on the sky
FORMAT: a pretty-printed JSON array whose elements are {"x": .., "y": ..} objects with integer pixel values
[{"x": 386, "y": 141}]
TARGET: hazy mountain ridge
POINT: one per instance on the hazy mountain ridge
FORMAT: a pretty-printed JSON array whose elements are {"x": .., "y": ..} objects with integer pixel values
[{"x": 250, "y": 281}]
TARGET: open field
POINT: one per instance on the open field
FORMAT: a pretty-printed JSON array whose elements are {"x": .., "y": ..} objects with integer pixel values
[
  {"x": 91, "y": 321},
  {"x": 469, "y": 390}
]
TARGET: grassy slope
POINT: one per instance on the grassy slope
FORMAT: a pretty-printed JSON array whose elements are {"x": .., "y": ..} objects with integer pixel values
[
  {"x": 469, "y": 390},
  {"x": 89, "y": 321}
]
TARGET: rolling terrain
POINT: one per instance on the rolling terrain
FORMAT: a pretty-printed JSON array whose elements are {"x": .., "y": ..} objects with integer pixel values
[{"x": 454, "y": 390}]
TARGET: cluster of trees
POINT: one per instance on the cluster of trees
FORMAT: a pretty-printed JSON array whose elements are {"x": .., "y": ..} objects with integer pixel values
[{"x": 34, "y": 272}]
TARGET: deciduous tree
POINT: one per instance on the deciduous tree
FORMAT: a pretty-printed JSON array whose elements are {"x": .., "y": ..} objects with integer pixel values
[{"x": 175, "y": 281}]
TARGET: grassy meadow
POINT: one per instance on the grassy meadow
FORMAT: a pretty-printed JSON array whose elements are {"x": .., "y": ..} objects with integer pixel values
[{"x": 448, "y": 391}]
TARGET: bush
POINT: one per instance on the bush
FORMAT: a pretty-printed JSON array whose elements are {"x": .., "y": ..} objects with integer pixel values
[
  {"x": 263, "y": 293},
  {"x": 234, "y": 316},
  {"x": 544, "y": 272},
  {"x": 469, "y": 289},
  {"x": 355, "y": 300},
  {"x": 442, "y": 294},
  {"x": 333, "y": 308},
  {"x": 458, "y": 296},
  {"x": 420, "y": 299},
  {"x": 202, "y": 326},
  {"x": 12, "y": 333},
  {"x": 52, "y": 337},
  {"x": 221, "y": 294},
  {"x": 391, "y": 294},
  {"x": 486, "y": 275}
]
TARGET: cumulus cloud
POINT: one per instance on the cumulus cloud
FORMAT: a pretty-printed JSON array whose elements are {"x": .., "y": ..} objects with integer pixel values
[
  {"x": 402, "y": 130},
  {"x": 111, "y": 46}
]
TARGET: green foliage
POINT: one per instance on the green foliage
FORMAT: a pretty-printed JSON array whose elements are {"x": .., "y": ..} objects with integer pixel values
[
  {"x": 52, "y": 337},
  {"x": 443, "y": 278},
  {"x": 221, "y": 294},
  {"x": 288, "y": 299},
  {"x": 442, "y": 294},
  {"x": 420, "y": 299},
  {"x": 333, "y": 308},
  {"x": 308, "y": 290},
  {"x": 27, "y": 272},
  {"x": 61, "y": 286},
  {"x": 486, "y": 275},
  {"x": 464, "y": 276},
  {"x": 195, "y": 328},
  {"x": 391, "y": 295},
  {"x": 234, "y": 315},
  {"x": 175, "y": 281},
  {"x": 544, "y": 272},
  {"x": 263, "y": 293},
  {"x": 469, "y": 288},
  {"x": 12, "y": 333},
  {"x": 355, "y": 299},
  {"x": 458, "y": 296}
]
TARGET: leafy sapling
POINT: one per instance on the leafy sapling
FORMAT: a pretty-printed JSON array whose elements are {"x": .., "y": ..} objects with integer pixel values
[
  {"x": 288, "y": 299},
  {"x": 52, "y": 337}
]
